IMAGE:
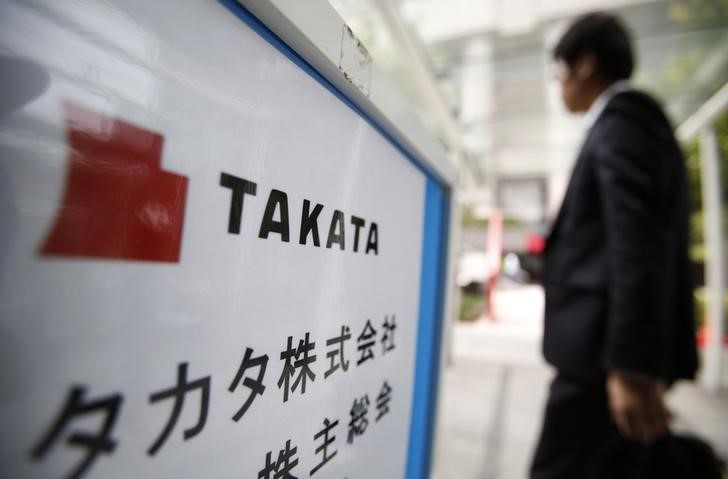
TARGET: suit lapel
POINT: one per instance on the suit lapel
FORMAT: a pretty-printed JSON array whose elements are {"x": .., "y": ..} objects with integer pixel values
[{"x": 578, "y": 165}]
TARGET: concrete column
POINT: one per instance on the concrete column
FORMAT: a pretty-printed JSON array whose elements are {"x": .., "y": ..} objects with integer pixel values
[
  {"x": 714, "y": 256},
  {"x": 476, "y": 108},
  {"x": 476, "y": 93}
]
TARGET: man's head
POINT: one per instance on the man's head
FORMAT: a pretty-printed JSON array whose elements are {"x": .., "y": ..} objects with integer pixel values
[{"x": 592, "y": 54}]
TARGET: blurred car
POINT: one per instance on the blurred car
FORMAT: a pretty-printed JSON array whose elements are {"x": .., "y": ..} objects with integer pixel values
[
  {"x": 472, "y": 269},
  {"x": 532, "y": 257},
  {"x": 512, "y": 269}
]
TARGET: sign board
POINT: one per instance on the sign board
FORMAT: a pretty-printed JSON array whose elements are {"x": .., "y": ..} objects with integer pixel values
[{"x": 214, "y": 262}]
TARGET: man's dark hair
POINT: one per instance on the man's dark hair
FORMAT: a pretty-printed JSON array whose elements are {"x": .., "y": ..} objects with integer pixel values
[{"x": 606, "y": 38}]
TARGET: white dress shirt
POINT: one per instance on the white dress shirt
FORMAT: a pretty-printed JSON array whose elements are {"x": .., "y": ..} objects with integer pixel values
[{"x": 596, "y": 108}]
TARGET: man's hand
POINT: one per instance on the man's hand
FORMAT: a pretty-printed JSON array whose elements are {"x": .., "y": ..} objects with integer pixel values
[{"x": 637, "y": 406}]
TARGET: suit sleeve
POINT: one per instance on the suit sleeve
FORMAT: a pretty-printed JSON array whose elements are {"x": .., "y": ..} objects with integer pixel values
[{"x": 628, "y": 177}]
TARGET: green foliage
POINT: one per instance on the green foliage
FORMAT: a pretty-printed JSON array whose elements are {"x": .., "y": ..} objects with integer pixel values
[
  {"x": 699, "y": 12},
  {"x": 469, "y": 220},
  {"x": 692, "y": 159},
  {"x": 680, "y": 70},
  {"x": 701, "y": 306},
  {"x": 472, "y": 306}
]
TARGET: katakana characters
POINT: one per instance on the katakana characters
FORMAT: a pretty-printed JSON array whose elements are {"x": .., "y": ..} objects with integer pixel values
[
  {"x": 337, "y": 352},
  {"x": 296, "y": 372},
  {"x": 302, "y": 362},
  {"x": 178, "y": 392},
  {"x": 94, "y": 443},
  {"x": 255, "y": 385}
]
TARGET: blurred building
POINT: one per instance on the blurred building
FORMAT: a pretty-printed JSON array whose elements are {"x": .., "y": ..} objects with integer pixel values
[{"x": 491, "y": 63}]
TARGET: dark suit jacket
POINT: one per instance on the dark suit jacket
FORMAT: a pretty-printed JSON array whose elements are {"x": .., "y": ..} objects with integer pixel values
[{"x": 616, "y": 269}]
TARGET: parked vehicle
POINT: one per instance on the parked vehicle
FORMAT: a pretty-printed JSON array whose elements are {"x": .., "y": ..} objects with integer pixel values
[{"x": 532, "y": 257}]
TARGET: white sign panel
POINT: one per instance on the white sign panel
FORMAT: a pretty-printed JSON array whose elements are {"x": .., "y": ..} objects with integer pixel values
[{"x": 210, "y": 263}]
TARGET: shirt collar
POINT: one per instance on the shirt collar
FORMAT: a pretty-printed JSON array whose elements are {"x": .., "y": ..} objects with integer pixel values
[{"x": 596, "y": 108}]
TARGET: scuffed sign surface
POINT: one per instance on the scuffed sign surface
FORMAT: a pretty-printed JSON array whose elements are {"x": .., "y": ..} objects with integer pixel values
[{"x": 355, "y": 62}]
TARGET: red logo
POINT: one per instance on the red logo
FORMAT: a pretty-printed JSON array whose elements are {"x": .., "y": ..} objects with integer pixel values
[{"x": 118, "y": 202}]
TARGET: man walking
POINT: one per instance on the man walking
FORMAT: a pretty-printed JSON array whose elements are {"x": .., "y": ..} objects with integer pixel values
[{"x": 619, "y": 323}]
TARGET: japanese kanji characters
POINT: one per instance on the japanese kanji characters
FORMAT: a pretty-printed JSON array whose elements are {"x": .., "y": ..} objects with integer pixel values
[
  {"x": 327, "y": 441},
  {"x": 283, "y": 465},
  {"x": 298, "y": 371},
  {"x": 385, "y": 395},
  {"x": 303, "y": 361},
  {"x": 365, "y": 343},
  {"x": 388, "y": 337},
  {"x": 359, "y": 421},
  {"x": 336, "y": 355}
]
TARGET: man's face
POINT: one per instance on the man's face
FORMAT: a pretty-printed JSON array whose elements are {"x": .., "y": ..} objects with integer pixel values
[{"x": 576, "y": 82}]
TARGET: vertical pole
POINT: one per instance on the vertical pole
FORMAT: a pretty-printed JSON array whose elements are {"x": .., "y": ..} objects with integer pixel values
[
  {"x": 714, "y": 258},
  {"x": 493, "y": 257},
  {"x": 416, "y": 61},
  {"x": 453, "y": 295}
]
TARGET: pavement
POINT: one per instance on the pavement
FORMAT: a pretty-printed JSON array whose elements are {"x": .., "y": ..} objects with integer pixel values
[{"x": 494, "y": 389}]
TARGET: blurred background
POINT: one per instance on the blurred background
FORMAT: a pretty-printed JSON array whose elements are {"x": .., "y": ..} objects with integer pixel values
[{"x": 480, "y": 75}]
